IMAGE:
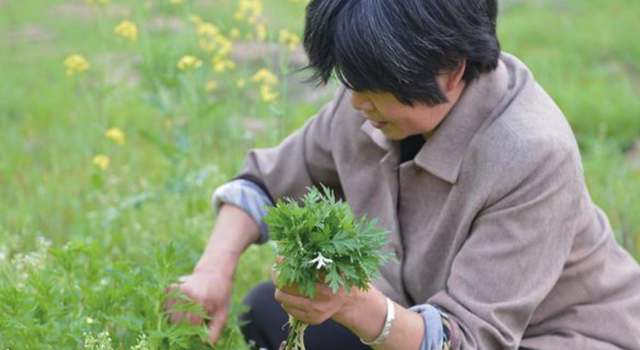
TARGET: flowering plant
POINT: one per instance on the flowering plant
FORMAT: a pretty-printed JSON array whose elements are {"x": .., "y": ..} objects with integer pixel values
[{"x": 321, "y": 241}]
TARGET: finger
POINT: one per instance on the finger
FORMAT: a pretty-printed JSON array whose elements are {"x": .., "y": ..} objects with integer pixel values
[
  {"x": 193, "y": 319},
  {"x": 283, "y": 345},
  {"x": 291, "y": 300},
  {"x": 292, "y": 289},
  {"x": 176, "y": 316},
  {"x": 215, "y": 327},
  {"x": 323, "y": 290},
  {"x": 294, "y": 309},
  {"x": 298, "y": 314},
  {"x": 171, "y": 288},
  {"x": 304, "y": 316},
  {"x": 279, "y": 259},
  {"x": 169, "y": 304}
]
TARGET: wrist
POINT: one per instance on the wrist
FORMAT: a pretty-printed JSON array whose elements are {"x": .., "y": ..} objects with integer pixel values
[
  {"x": 361, "y": 302},
  {"x": 223, "y": 262},
  {"x": 388, "y": 324},
  {"x": 233, "y": 232}
]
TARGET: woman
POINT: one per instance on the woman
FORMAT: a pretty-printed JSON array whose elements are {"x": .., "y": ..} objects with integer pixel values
[{"x": 458, "y": 152}]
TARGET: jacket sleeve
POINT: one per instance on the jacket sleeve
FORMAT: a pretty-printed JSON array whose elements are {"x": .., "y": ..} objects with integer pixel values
[
  {"x": 247, "y": 196},
  {"x": 517, "y": 247},
  {"x": 303, "y": 159}
]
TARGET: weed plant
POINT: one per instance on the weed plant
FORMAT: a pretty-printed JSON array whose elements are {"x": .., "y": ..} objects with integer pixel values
[
  {"x": 65, "y": 298},
  {"x": 321, "y": 241}
]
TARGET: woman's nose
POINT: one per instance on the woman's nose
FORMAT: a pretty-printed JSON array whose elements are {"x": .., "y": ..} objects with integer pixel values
[{"x": 361, "y": 102}]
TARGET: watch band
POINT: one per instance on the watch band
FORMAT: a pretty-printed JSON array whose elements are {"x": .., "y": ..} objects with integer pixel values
[{"x": 388, "y": 323}]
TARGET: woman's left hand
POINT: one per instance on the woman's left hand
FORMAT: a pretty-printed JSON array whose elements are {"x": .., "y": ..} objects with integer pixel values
[{"x": 324, "y": 306}]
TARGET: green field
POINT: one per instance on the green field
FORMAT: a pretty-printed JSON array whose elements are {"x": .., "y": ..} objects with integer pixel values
[{"x": 85, "y": 249}]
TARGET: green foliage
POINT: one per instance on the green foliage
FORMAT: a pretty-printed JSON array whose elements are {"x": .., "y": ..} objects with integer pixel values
[
  {"x": 321, "y": 238},
  {"x": 614, "y": 184},
  {"x": 592, "y": 70},
  {"x": 321, "y": 241},
  {"x": 65, "y": 298}
]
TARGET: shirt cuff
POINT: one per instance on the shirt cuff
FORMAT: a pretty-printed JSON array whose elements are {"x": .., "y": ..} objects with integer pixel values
[
  {"x": 249, "y": 197},
  {"x": 437, "y": 327}
]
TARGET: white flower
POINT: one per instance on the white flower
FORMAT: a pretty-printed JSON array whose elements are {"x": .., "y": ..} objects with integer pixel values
[
  {"x": 4, "y": 254},
  {"x": 101, "y": 342},
  {"x": 143, "y": 343},
  {"x": 321, "y": 261}
]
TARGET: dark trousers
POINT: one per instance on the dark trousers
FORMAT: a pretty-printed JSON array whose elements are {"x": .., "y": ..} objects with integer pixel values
[{"x": 266, "y": 325}]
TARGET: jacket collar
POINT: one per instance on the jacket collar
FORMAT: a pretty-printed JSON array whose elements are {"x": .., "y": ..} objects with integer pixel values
[{"x": 444, "y": 151}]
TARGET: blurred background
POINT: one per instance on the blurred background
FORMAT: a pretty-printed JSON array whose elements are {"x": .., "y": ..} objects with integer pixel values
[{"x": 118, "y": 118}]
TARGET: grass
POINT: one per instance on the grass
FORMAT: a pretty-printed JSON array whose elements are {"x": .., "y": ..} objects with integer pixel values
[
  {"x": 182, "y": 142},
  {"x": 583, "y": 53}
]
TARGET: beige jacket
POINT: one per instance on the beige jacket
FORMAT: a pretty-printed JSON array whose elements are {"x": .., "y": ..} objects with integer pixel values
[{"x": 491, "y": 221}]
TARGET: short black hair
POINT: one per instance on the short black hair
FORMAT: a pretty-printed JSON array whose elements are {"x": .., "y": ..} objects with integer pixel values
[{"x": 400, "y": 46}]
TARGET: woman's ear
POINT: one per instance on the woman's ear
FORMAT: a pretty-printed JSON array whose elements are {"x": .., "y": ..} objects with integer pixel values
[{"x": 453, "y": 78}]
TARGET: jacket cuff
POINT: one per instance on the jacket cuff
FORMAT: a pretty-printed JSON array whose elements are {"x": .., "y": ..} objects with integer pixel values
[
  {"x": 437, "y": 327},
  {"x": 249, "y": 197}
]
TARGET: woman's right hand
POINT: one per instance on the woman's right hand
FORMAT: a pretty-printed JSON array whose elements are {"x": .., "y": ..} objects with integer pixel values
[
  {"x": 210, "y": 283},
  {"x": 210, "y": 289}
]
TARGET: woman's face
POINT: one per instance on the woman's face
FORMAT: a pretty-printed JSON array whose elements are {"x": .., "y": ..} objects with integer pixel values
[{"x": 397, "y": 121}]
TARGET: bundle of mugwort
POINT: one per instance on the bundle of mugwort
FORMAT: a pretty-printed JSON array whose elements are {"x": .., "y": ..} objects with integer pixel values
[{"x": 321, "y": 241}]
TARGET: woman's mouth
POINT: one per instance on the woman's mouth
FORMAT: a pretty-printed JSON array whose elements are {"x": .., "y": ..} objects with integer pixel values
[{"x": 378, "y": 125}]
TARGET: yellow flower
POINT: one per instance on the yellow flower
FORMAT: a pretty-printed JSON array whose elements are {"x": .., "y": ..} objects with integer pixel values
[
  {"x": 235, "y": 33},
  {"x": 225, "y": 46},
  {"x": 267, "y": 94},
  {"x": 195, "y": 20},
  {"x": 290, "y": 39},
  {"x": 211, "y": 86},
  {"x": 261, "y": 32},
  {"x": 101, "y": 161},
  {"x": 265, "y": 76},
  {"x": 116, "y": 135},
  {"x": 251, "y": 9},
  {"x": 76, "y": 64},
  {"x": 217, "y": 42},
  {"x": 210, "y": 38},
  {"x": 89, "y": 320},
  {"x": 207, "y": 29},
  {"x": 127, "y": 30},
  {"x": 239, "y": 16},
  {"x": 189, "y": 62},
  {"x": 241, "y": 83},
  {"x": 221, "y": 65}
]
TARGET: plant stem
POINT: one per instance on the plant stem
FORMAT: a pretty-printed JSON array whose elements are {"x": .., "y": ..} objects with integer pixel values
[{"x": 295, "y": 340}]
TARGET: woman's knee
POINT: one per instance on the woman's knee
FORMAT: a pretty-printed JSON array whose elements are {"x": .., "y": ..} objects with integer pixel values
[{"x": 263, "y": 324}]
